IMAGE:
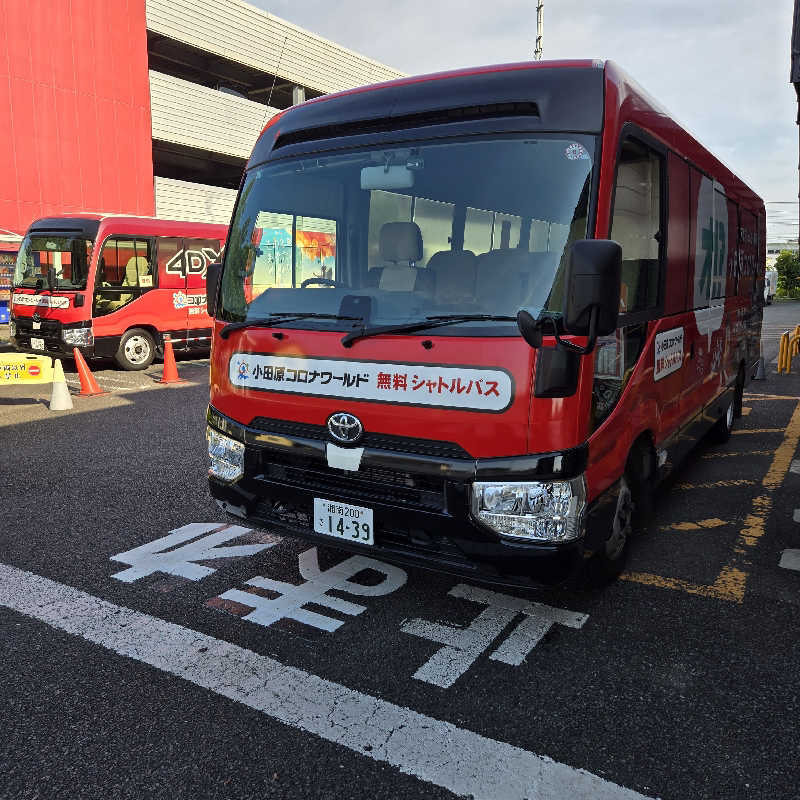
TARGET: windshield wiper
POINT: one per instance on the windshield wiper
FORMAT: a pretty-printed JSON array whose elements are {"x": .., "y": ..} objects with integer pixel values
[
  {"x": 421, "y": 325},
  {"x": 277, "y": 319}
]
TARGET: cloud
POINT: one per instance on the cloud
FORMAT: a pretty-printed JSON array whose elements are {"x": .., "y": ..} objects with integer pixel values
[{"x": 721, "y": 68}]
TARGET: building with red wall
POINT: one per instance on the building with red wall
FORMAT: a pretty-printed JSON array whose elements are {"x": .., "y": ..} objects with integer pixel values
[{"x": 74, "y": 109}]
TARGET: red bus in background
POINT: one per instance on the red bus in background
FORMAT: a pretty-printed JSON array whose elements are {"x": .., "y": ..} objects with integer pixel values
[
  {"x": 543, "y": 292},
  {"x": 113, "y": 286}
]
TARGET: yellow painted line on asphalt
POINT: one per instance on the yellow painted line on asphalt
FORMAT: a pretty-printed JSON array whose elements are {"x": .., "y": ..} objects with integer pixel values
[
  {"x": 717, "y": 484},
  {"x": 729, "y": 585},
  {"x": 769, "y": 397},
  {"x": 703, "y": 524},
  {"x": 743, "y": 431},
  {"x": 731, "y": 582},
  {"x": 746, "y": 411},
  {"x": 738, "y": 454}
]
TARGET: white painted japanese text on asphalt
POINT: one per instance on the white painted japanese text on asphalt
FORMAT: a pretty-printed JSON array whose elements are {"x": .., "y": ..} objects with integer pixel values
[
  {"x": 463, "y": 646},
  {"x": 292, "y": 599},
  {"x": 158, "y": 557}
]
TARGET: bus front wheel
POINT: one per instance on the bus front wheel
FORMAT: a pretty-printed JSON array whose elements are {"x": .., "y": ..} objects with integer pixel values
[
  {"x": 136, "y": 350},
  {"x": 634, "y": 507}
]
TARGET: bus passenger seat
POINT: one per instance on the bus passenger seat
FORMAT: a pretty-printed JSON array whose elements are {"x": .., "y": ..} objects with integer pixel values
[
  {"x": 400, "y": 247},
  {"x": 510, "y": 279},
  {"x": 454, "y": 273}
]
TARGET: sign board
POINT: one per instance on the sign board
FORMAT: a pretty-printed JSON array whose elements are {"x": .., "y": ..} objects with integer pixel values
[{"x": 24, "y": 368}]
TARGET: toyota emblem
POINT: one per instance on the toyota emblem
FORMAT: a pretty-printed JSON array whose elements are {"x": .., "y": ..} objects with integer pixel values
[{"x": 345, "y": 428}]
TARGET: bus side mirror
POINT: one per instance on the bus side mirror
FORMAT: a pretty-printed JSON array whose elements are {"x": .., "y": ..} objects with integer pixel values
[
  {"x": 213, "y": 274},
  {"x": 592, "y": 281}
]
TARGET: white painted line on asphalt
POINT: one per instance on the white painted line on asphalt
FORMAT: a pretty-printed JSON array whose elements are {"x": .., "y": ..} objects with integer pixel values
[
  {"x": 796, "y": 516},
  {"x": 292, "y": 599},
  {"x": 790, "y": 559},
  {"x": 459, "y": 760},
  {"x": 150, "y": 557},
  {"x": 795, "y": 467}
]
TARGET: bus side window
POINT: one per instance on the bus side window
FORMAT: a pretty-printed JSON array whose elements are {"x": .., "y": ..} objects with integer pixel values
[
  {"x": 615, "y": 358},
  {"x": 636, "y": 225},
  {"x": 125, "y": 272}
]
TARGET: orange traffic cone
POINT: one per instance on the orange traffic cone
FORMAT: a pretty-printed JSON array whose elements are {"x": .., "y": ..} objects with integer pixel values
[
  {"x": 170, "y": 374},
  {"x": 89, "y": 386}
]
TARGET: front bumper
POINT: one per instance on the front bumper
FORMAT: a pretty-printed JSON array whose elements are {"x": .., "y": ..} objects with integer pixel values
[
  {"x": 420, "y": 500},
  {"x": 54, "y": 345}
]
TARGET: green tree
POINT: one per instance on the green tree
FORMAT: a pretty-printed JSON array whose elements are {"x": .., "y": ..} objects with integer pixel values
[{"x": 788, "y": 266}]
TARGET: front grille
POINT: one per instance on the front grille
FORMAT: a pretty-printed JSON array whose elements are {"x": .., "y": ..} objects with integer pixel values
[
  {"x": 51, "y": 328},
  {"x": 392, "y": 487},
  {"x": 379, "y": 441},
  {"x": 427, "y": 544}
]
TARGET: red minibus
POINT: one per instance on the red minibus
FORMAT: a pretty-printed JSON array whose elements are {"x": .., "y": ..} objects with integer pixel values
[
  {"x": 113, "y": 286},
  {"x": 511, "y": 299}
]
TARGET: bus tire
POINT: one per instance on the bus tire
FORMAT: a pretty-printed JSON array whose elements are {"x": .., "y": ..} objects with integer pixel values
[
  {"x": 723, "y": 427},
  {"x": 136, "y": 350},
  {"x": 634, "y": 507}
]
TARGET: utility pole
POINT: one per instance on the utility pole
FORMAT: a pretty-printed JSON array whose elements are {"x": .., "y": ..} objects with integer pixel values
[{"x": 537, "y": 53}]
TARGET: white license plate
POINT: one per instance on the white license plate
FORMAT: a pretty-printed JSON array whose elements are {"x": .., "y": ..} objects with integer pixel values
[
  {"x": 37, "y": 344},
  {"x": 343, "y": 521}
]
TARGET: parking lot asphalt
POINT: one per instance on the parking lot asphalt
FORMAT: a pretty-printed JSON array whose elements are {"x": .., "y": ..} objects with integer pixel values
[{"x": 140, "y": 666}]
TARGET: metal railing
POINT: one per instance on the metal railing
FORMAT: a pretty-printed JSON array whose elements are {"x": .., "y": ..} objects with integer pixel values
[{"x": 789, "y": 348}]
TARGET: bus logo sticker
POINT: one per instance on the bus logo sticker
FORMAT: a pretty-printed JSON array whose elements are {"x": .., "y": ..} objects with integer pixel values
[
  {"x": 466, "y": 388},
  {"x": 576, "y": 152},
  {"x": 194, "y": 302},
  {"x": 668, "y": 353}
]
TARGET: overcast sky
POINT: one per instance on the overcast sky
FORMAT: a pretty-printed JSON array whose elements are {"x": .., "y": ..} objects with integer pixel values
[{"x": 721, "y": 67}]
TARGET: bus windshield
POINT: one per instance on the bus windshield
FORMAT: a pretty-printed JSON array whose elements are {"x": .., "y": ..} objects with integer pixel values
[
  {"x": 68, "y": 255},
  {"x": 476, "y": 227}
]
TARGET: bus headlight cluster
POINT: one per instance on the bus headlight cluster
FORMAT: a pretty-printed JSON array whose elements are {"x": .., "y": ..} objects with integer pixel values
[
  {"x": 550, "y": 511},
  {"x": 226, "y": 454},
  {"x": 78, "y": 337}
]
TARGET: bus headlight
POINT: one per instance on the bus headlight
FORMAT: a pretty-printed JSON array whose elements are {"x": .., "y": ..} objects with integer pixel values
[
  {"x": 78, "y": 337},
  {"x": 227, "y": 456},
  {"x": 543, "y": 511}
]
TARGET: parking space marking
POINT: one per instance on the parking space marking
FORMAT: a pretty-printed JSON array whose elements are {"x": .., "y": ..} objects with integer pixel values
[
  {"x": 702, "y": 524},
  {"x": 463, "y": 646},
  {"x": 716, "y": 484},
  {"x": 795, "y": 467},
  {"x": 157, "y": 556},
  {"x": 460, "y": 760},
  {"x": 746, "y": 431},
  {"x": 790, "y": 559},
  {"x": 738, "y": 454},
  {"x": 746, "y": 411},
  {"x": 291, "y": 599},
  {"x": 748, "y": 396},
  {"x": 731, "y": 582}
]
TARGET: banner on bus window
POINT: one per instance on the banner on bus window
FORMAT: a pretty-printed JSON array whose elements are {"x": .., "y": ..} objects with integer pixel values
[
  {"x": 668, "y": 353},
  {"x": 467, "y": 388},
  {"x": 41, "y": 300}
]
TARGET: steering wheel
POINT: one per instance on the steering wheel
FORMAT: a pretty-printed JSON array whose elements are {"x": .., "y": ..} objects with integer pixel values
[{"x": 321, "y": 281}]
